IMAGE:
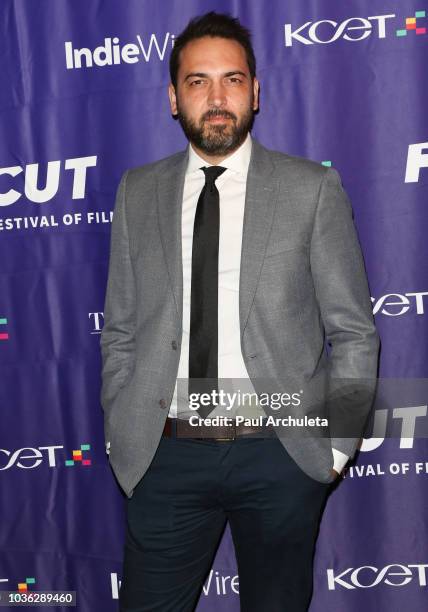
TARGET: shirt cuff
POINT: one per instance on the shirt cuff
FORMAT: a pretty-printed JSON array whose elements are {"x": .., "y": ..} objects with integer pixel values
[{"x": 340, "y": 459}]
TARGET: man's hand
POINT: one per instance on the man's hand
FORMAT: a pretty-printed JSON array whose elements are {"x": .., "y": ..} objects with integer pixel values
[{"x": 334, "y": 473}]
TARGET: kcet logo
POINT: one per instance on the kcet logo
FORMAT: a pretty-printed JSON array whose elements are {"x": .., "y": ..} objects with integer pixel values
[
  {"x": 397, "y": 304},
  {"x": 353, "y": 29},
  {"x": 28, "y": 458},
  {"x": 368, "y": 576}
]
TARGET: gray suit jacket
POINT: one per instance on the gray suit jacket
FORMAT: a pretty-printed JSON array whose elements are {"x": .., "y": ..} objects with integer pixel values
[{"x": 302, "y": 282}]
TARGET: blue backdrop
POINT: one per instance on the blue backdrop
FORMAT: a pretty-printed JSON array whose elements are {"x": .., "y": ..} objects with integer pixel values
[{"x": 82, "y": 98}]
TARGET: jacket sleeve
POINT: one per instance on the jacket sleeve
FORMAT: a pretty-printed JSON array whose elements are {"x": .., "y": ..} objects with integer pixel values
[
  {"x": 343, "y": 295},
  {"x": 118, "y": 334}
]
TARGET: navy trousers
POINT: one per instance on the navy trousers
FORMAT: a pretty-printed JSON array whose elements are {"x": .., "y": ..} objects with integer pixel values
[{"x": 178, "y": 512}]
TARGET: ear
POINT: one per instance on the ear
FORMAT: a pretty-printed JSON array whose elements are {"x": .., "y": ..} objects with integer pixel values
[
  {"x": 256, "y": 89},
  {"x": 172, "y": 99}
]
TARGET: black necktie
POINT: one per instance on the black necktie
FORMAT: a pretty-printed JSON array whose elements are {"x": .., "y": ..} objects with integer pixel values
[{"x": 203, "y": 342}]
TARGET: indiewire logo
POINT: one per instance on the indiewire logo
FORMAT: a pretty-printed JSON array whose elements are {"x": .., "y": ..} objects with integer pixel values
[{"x": 112, "y": 52}]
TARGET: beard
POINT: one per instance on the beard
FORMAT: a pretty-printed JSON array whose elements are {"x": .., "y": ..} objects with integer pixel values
[{"x": 217, "y": 139}]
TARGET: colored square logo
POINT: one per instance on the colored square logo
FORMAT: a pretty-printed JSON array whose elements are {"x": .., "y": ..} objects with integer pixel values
[
  {"x": 23, "y": 586},
  {"x": 411, "y": 24},
  {"x": 3, "y": 335},
  {"x": 78, "y": 457}
]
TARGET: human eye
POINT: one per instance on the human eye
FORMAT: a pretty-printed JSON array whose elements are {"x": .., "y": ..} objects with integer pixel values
[{"x": 234, "y": 80}]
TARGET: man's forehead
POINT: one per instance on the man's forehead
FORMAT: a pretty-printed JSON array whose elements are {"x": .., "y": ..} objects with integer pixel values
[{"x": 213, "y": 53}]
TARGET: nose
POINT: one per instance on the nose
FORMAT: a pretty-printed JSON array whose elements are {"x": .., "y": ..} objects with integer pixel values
[{"x": 217, "y": 95}]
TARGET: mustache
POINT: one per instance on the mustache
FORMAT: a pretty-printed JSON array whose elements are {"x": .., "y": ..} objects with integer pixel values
[{"x": 218, "y": 113}]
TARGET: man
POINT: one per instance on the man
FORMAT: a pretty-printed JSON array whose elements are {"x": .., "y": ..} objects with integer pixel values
[{"x": 228, "y": 261}]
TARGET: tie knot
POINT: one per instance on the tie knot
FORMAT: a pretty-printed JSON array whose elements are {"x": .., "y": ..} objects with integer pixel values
[{"x": 212, "y": 173}]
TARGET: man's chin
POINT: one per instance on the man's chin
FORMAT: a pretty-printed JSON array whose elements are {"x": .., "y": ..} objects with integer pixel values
[
  {"x": 219, "y": 134},
  {"x": 217, "y": 147}
]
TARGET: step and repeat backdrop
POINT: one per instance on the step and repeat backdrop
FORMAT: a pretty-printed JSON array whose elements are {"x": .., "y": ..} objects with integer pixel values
[{"x": 83, "y": 97}]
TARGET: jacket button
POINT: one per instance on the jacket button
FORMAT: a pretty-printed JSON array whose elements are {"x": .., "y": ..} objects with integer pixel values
[
  {"x": 162, "y": 403},
  {"x": 174, "y": 345}
]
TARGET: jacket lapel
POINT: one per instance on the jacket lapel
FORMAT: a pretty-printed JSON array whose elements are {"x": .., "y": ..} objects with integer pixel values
[
  {"x": 170, "y": 187},
  {"x": 260, "y": 200}
]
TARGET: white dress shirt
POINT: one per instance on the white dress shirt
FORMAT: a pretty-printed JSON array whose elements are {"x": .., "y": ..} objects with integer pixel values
[{"x": 232, "y": 187}]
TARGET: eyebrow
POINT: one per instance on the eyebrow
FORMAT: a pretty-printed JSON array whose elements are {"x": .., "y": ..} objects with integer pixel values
[{"x": 205, "y": 75}]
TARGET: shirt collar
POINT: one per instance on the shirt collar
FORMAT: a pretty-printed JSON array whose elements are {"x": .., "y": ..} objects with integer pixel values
[{"x": 237, "y": 162}]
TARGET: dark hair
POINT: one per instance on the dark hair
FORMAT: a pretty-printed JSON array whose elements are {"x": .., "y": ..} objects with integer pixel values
[{"x": 215, "y": 25}]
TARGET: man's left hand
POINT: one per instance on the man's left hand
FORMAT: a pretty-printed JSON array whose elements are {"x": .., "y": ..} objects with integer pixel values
[{"x": 334, "y": 473}]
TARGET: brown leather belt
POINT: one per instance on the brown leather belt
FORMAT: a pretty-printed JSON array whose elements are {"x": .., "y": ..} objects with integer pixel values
[{"x": 181, "y": 428}]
